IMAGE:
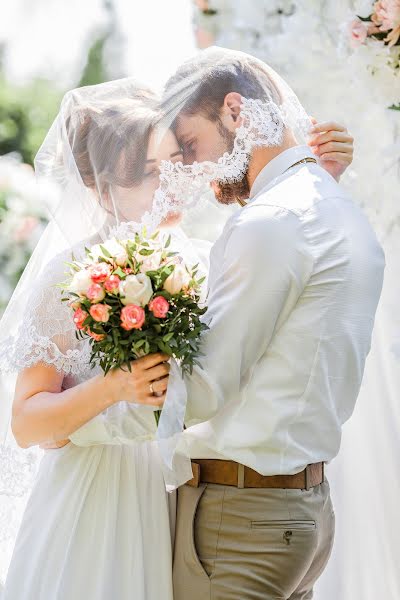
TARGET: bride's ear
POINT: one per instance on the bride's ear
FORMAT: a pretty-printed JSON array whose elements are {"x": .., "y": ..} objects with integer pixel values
[{"x": 231, "y": 110}]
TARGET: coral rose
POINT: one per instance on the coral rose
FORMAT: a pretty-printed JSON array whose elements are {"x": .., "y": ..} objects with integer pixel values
[
  {"x": 95, "y": 293},
  {"x": 100, "y": 312},
  {"x": 111, "y": 284},
  {"x": 159, "y": 306},
  {"x": 132, "y": 317},
  {"x": 99, "y": 272},
  {"x": 96, "y": 336},
  {"x": 79, "y": 317}
]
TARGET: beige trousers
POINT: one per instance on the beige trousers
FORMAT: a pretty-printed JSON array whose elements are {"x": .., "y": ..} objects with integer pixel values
[{"x": 251, "y": 544}]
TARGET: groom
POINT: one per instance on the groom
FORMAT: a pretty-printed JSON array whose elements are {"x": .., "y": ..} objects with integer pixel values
[{"x": 294, "y": 284}]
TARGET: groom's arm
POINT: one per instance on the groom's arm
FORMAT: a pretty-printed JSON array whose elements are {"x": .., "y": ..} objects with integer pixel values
[{"x": 265, "y": 267}]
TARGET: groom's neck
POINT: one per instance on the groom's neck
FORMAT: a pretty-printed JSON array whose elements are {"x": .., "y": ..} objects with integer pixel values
[{"x": 262, "y": 156}]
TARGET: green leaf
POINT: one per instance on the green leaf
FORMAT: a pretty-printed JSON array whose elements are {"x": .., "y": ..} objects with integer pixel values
[
  {"x": 168, "y": 337},
  {"x": 105, "y": 251}
]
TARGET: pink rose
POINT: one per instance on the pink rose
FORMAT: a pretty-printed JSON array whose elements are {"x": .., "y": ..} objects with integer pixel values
[
  {"x": 132, "y": 317},
  {"x": 159, "y": 306},
  {"x": 387, "y": 14},
  {"x": 111, "y": 284},
  {"x": 79, "y": 317},
  {"x": 99, "y": 272},
  {"x": 358, "y": 33},
  {"x": 96, "y": 336},
  {"x": 100, "y": 312},
  {"x": 394, "y": 36},
  {"x": 95, "y": 293}
]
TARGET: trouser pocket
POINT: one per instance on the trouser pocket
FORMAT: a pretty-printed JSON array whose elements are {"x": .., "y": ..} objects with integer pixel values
[{"x": 190, "y": 578}]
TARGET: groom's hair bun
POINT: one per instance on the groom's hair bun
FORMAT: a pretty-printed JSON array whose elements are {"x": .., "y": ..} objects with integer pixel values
[
  {"x": 109, "y": 139},
  {"x": 201, "y": 83}
]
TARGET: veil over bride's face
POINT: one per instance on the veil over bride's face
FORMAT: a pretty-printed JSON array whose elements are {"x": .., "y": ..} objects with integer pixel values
[
  {"x": 118, "y": 147},
  {"x": 134, "y": 202}
]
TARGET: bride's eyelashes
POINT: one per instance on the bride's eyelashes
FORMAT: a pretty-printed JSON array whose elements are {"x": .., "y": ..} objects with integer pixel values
[
  {"x": 189, "y": 149},
  {"x": 151, "y": 174}
]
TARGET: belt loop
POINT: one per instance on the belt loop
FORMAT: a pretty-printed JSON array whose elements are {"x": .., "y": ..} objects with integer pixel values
[
  {"x": 306, "y": 478},
  {"x": 240, "y": 482}
]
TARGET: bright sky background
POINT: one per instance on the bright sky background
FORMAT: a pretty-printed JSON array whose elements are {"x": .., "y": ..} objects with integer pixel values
[{"x": 50, "y": 37}]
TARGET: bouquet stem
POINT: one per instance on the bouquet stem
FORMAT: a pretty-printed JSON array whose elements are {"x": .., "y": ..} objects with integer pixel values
[{"x": 157, "y": 416}]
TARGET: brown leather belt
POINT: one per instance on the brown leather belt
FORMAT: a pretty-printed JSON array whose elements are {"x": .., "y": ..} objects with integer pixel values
[{"x": 228, "y": 472}]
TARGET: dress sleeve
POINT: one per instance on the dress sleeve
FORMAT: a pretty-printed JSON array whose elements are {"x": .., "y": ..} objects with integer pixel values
[{"x": 46, "y": 333}]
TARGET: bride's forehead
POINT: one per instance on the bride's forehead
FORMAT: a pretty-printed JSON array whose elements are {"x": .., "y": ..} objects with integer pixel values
[{"x": 162, "y": 141}]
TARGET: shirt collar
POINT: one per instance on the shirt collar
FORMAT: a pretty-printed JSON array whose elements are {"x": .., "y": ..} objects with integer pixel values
[{"x": 277, "y": 166}]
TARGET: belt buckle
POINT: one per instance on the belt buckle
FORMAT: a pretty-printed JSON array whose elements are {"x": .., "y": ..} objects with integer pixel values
[
  {"x": 240, "y": 478},
  {"x": 306, "y": 477}
]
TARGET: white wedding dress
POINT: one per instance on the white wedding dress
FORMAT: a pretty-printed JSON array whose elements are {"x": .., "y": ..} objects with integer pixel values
[
  {"x": 97, "y": 522},
  {"x": 96, "y": 525}
]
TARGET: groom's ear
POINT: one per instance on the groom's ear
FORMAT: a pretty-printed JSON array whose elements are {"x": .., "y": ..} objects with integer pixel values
[{"x": 231, "y": 110}]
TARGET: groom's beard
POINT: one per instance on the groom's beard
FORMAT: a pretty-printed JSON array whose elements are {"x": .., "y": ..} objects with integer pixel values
[{"x": 229, "y": 193}]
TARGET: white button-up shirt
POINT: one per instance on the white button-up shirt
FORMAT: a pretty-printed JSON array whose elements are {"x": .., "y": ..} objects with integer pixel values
[{"x": 294, "y": 284}]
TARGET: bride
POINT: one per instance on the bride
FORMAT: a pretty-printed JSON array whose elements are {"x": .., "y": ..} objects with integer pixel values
[{"x": 97, "y": 522}]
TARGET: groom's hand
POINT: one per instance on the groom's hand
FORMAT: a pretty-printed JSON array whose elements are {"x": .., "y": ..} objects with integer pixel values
[{"x": 333, "y": 146}]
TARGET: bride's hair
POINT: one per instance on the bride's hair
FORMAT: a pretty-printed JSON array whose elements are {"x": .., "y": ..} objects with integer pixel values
[{"x": 109, "y": 140}]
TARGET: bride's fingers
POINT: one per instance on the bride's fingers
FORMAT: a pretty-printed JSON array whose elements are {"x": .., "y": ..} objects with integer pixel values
[
  {"x": 157, "y": 372},
  {"x": 161, "y": 385},
  {"x": 156, "y": 400}
]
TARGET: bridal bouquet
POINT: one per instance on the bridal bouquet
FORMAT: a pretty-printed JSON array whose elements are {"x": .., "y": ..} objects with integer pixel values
[
  {"x": 134, "y": 297},
  {"x": 375, "y": 39}
]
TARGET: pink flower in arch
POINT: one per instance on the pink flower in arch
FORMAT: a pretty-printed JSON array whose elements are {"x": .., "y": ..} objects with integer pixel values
[
  {"x": 358, "y": 33},
  {"x": 387, "y": 14}
]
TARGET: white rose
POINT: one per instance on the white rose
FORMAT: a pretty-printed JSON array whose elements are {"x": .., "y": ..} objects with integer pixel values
[
  {"x": 178, "y": 279},
  {"x": 136, "y": 289},
  {"x": 151, "y": 262},
  {"x": 81, "y": 282}
]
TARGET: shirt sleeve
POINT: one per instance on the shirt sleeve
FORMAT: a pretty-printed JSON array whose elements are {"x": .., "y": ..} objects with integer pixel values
[{"x": 265, "y": 267}]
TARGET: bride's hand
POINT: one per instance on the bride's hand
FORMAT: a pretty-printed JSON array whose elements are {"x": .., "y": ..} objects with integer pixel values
[
  {"x": 146, "y": 384},
  {"x": 333, "y": 146}
]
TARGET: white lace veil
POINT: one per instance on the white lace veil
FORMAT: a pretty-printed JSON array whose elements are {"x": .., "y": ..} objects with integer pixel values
[
  {"x": 217, "y": 145},
  {"x": 269, "y": 111},
  {"x": 96, "y": 159}
]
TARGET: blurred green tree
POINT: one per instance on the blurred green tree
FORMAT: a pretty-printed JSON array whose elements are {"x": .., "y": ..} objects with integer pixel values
[{"x": 26, "y": 113}]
